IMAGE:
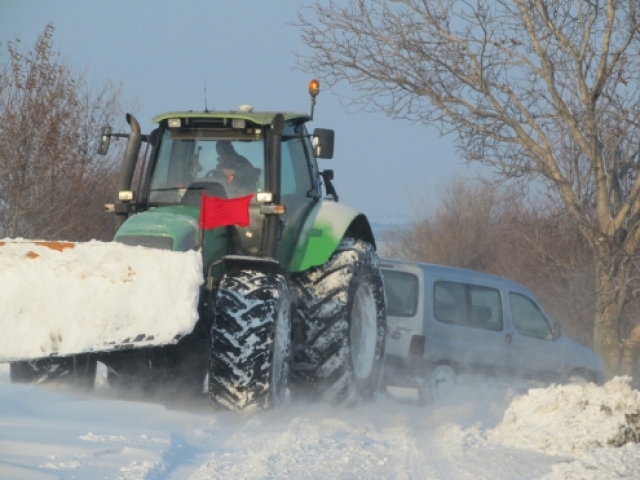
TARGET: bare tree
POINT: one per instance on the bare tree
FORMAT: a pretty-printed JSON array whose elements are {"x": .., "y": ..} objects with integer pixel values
[
  {"x": 536, "y": 89},
  {"x": 52, "y": 183}
]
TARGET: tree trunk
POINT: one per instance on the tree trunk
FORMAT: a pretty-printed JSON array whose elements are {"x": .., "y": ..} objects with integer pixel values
[
  {"x": 630, "y": 351},
  {"x": 611, "y": 298}
]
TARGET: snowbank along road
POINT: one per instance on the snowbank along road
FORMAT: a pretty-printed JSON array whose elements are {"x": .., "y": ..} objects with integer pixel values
[{"x": 488, "y": 431}]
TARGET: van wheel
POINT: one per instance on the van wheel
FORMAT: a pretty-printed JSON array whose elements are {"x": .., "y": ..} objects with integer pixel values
[
  {"x": 580, "y": 377},
  {"x": 440, "y": 383}
]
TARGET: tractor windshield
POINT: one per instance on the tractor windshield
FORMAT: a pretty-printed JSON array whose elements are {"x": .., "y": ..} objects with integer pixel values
[{"x": 191, "y": 161}]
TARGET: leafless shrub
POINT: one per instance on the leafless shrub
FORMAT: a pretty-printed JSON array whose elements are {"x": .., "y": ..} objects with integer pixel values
[
  {"x": 52, "y": 183},
  {"x": 462, "y": 231}
]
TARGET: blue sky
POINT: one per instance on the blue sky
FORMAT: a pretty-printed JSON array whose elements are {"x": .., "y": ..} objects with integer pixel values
[{"x": 163, "y": 51}]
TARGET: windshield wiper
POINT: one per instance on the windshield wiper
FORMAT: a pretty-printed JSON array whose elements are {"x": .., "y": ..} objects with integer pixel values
[{"x": 165, "y": 189}]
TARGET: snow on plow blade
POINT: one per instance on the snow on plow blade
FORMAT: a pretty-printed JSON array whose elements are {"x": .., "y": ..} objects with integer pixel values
[{"x": 61, "y": 298}]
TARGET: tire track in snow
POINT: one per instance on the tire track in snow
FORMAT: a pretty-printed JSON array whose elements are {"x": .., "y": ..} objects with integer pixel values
[
  {"x": 429, "y": 460},
  {"x": 424, "y": 458}
]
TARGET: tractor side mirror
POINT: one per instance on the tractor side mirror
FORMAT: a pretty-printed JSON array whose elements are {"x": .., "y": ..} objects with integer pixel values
[
  {"x": 105, "y": 140},
  {"x": 323, "y": 143}
]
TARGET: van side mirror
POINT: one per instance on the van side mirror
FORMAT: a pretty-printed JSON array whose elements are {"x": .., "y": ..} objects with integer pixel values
[
  {"x": 323, "y": 143},
  {"x": 105, "y": 140},
  {"x": 556, "y": 331}
]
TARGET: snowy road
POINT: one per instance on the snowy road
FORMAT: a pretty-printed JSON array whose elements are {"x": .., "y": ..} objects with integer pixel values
[{"x": 51, "y": 434}]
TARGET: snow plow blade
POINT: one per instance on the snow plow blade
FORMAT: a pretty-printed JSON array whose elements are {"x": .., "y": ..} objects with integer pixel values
[{"x": 63, "y": 298}]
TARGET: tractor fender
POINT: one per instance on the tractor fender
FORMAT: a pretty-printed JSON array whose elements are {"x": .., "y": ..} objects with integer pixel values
[{"x": 326, "y": 225}]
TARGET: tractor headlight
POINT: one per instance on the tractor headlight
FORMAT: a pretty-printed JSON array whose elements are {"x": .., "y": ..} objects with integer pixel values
[
  {"x": 264, "y": 197},
  {"x": 125, "y": 196}
]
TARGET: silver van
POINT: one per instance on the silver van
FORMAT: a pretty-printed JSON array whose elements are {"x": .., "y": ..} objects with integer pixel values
[{"x": 445, "y": 321}]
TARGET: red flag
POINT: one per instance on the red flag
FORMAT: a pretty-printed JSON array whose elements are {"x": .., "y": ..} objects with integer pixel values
[{"x": 220, "y": 212}]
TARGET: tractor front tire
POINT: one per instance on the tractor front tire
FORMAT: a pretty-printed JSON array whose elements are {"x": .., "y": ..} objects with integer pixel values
[
  {"x": 250, "y": 341},
  {"x": 341, "y": 326},
  {"x": 78, "y": 372}
]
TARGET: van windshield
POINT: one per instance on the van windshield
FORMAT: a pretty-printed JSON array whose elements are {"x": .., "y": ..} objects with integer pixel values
[
  {"x": 203, "y": 160},
  {"x": 527, "y": 318},
  {"x": 401, "y": 290}
]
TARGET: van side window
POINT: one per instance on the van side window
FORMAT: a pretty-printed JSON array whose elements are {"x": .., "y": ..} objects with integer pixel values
[
  {"x": 467, "y": 305},
  {"x": 527, "y": 318},
  {"x": 401, "y": 290}
]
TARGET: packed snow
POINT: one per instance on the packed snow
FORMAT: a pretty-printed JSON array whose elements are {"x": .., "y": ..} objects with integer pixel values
[
  {"x": 482, "y": 430},
  {"x": 93, "y": 296}
]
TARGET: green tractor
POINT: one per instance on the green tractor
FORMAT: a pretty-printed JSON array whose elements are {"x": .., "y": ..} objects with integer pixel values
[{"x": 292, "y": 296}]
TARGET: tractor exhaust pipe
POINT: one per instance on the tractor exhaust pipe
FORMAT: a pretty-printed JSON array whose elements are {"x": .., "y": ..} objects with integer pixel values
[
  {"x": 271, "y": 222},
  {"x": 128, "y": 168}
]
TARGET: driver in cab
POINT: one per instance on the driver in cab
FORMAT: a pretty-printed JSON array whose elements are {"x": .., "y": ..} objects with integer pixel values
[{"x": 237, "y": 169}]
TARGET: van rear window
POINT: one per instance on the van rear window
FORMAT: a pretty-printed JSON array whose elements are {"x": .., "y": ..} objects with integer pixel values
[
  {"x": 468, "y": 305},
  {"x": 401, "y": 290}
]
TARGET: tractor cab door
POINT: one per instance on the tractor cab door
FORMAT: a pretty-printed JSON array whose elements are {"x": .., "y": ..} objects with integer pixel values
[{"x": 299, "y": 185}]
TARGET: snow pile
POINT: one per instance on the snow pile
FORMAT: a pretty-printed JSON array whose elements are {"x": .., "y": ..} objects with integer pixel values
[
  {"x": 601, "y": 464},
  {"x": 570, "y": 420},
  {"x": 93, "y": 296}
]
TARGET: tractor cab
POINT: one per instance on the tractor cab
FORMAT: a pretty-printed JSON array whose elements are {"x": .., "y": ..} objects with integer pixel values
[
  {"x": 227, "y": 155},
  {"x": 230, "y": 155}
]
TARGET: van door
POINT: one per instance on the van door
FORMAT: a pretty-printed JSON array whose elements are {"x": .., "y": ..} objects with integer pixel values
[
  {"x": 403, "y": 287},
  {"x": 466, "y": 327},
  {"x": 534, "y": 352}
]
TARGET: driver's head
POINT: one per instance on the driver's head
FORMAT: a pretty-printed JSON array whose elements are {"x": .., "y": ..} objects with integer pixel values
[{"x": 224, "y": 147}]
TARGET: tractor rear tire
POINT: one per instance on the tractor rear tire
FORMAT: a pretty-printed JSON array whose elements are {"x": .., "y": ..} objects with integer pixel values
[
  {"x": 340, "y": 328},
  {"x": 78, "y": 372},
  {"x": 250, "y": 341}
]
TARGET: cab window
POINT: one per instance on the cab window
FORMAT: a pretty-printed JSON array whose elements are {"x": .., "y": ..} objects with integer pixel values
[
  {"x": 295, "y": 171},
  {"x": 314, "y": 173},
  {"x": 233, "y": 161}
]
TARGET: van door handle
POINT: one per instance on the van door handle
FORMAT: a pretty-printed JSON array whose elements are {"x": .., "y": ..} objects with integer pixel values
[{"x": 508, "y": 338}]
